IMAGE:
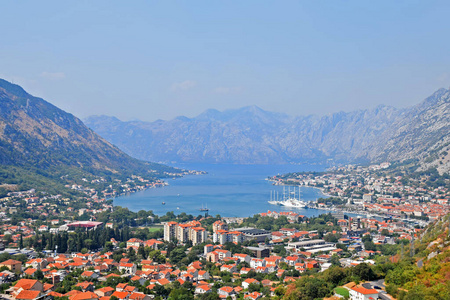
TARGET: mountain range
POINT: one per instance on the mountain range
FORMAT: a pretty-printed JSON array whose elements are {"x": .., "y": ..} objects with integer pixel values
[
  {"x": 39, "y": 139},
  {"x": 251, "y": 135}
]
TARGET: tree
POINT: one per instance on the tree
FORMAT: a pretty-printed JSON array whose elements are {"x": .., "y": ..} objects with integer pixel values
[
  {"x": 385, "y": 232},
  {"x": 370, "y": 246},
  {"x": 364, "y": 272},
  {"x": 335, "y": 260},
  {"x": 181, "y": 294},
  {"x": 39, "y": 275}
]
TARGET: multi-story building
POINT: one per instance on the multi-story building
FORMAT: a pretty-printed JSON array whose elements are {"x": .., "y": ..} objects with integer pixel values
[
  {"x": 219, "y": 225},
  {"x": 183, "y": 233},
  {"x": 170, "y": 231},
  {"x": 197, "y": 235},
  {"x": 223, "y": 236}
]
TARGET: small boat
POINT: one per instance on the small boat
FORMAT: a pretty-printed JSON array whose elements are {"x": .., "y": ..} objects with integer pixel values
[
  {"x": 164, "y": 203},
  {"x": 178, "y": 207}
]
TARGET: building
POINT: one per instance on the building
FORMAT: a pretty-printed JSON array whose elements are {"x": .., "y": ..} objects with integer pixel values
[
  {"x": 14, "y": 265},
  {"x": 170, "y": 231},
  {"x": 259, "y": 235},
  {"x": 191, "y": 231},
  {"x": 259, "y": 252},
  {"x": 361, "y": 293},
  {"x": 85, "y": 224},
  {"x": 219, "y": 225},
  {"x": 312, "y": 246}
]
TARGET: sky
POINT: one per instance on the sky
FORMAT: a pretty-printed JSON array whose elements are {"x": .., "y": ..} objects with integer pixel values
[{"x": 152, "y": 60}]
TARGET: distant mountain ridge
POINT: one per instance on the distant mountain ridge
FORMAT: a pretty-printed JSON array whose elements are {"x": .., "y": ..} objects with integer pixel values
[
  {"x": 251, "y": 135},
  {"x": 40, "y": 138}
]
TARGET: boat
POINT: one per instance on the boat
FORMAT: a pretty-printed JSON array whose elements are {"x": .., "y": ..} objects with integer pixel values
[
  {"x": 204, "y": 208},
  {"x": 274, "y": 198},
  {"x": 290, "y": 200},
  {"x": 164, "y": 203}
]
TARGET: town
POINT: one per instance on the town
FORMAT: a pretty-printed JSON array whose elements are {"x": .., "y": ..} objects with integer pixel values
[{"x": 56, "y": 247}]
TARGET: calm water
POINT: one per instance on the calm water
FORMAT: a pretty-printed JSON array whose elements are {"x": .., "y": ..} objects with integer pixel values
[{"x": 228, "y": 190}]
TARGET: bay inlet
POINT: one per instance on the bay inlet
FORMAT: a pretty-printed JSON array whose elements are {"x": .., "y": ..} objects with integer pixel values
[{"x": 227, "y": 190}]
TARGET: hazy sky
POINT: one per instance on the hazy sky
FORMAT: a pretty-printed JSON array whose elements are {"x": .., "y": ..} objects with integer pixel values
[{"x": 153, "y": 60}]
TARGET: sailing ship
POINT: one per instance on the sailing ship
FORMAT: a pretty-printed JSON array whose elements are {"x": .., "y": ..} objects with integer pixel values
[
  {"x": 290, "y": 198},
  {"x": 204, "y": 208}
]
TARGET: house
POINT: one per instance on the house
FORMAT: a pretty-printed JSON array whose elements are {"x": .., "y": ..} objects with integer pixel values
[
  {"x": 226, "y": 291},
  {"x": 263, "y": 270},
  {"x": 163, "y": 281},
  {"x": 86, "y": 286},
  {"x": 29, "y": 284},
  {"x": 104, "y": 292},
  {"x": 130, "y": 289},
  {"x": 242, "y": 257},
  {"x": 361, "y": 293},
  {"x": 134, "y": 243},
  {"x": 208, "y": 248},
  {"x": 90, "y": 275},
  {"x": 257, "y": 262},
  {"x": 84, "y": 296},
  {"x": 14, "y": 265},
  {"x": 121, "y": 295},
  {"x": 245, "y": 270},
  {"x": 128, "y": 268},
  {"x": 30, "y": 271},
  {"x": 203, "y": 275},
  {"x": 202, "y": 289},
  {"x": 292, "y": 260},
  {"x": 139, "y": 296},
  {"x": 253, "y": 296},
  {"x": 288, "y": 231},
  {"x": 223, "y": 254},
  {"x": 37, "y": 263},
  {"x": 28, "y": 295},
  {"x": 153, "y": 244},
  {"x": 121, "y": 287},
  {"x": 228, "y": 268},
  {"x": 138, "y": 279},
  {"x": 249, "y": 281}
]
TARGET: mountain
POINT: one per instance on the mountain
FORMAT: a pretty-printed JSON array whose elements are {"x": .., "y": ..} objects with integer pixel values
[
  {"x": 421, "y": 133},
  {"x": 247, "y": 135},
  {"x": 251, "y": 135},
  {"x": 39, "y": 138}
]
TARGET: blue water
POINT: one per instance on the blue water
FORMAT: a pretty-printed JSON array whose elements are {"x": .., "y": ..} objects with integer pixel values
[{"x": 228, "y": 190}]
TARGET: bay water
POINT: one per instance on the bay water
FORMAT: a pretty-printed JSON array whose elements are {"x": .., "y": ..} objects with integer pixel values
[{"x": 227, "y": 190}]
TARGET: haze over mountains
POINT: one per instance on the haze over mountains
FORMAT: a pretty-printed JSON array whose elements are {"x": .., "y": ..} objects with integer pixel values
[{"x": 251, "y": 135}]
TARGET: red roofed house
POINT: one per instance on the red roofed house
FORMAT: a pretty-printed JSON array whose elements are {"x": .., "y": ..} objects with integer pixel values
[
  {"x": 201, "y": 289},
  {"x": 361, "y": 293},
  {"x": 14, "y": 265},
  {"x": 29, "y": 284},
  {"x": 249, "y": 281},
  {"x": 128, "y": 268},
  {"x": 104, "y": 292},
  {"x": 254, "y": 296},
  {"x": 84, "y": 296},
  {"x": 139, "y": 296},
  {"x": 28, "y": 295},
  {"x": 121, "y": 295},
  {"x": 226, "y": 291}
]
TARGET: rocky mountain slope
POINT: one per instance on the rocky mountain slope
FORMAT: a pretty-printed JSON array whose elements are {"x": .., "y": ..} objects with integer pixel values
[
  {"x": 39, "y": 137},
  {"x": 248, "y": 135},
  {"x": 422, "y": 134},
  {"x": 252, "y": 135}
]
